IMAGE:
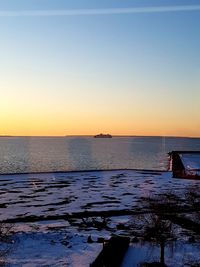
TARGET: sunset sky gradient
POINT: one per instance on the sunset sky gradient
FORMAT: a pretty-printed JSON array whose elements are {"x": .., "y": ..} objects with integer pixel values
[{"x": 130, "y": 73}]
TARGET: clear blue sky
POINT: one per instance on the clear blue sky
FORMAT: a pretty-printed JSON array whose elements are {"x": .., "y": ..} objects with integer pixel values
[{"x": 135, "y": 73}]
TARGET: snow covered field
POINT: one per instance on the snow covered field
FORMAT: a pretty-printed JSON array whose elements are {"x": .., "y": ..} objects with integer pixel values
[
  {"x": 191, "y": 163},
  {"x": 54, "y": 194},
  {"x": 50, "y": 210},
  {"x": 181, "y": 254}
]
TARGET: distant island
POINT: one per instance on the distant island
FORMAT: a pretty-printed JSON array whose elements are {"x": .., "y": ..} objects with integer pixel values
[{"x": 103, "y": 136}]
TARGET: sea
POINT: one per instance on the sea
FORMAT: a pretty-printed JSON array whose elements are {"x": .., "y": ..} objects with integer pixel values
[{"x": 78, "y": 153}]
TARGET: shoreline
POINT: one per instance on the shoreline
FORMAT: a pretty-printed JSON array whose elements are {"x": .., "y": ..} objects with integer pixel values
[{"x": 83, "y": 171}]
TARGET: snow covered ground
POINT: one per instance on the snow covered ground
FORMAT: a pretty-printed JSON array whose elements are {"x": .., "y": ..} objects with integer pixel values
[
  {"x": 191, "y": 163},
  {"x": 48, "y": 196},
  {"x": 53, "y": 194},
  {"x": 52, "y": 248},
  {"x": 180, "y": 254}
]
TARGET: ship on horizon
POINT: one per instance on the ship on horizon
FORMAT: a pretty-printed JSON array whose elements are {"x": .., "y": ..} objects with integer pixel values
[{"x": 103, "y": 136}]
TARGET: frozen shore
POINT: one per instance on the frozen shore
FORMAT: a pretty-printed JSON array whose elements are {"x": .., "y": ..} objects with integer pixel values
[
  {"x": 54, "y": 195},
  {"x": 56, "y": 213}
]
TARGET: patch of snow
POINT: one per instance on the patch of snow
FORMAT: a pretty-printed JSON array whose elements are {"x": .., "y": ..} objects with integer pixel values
[
  {"x": 191, "y": 162},
  {"x": 176, "y": 255},
  {"x": 52, "y": 249}
]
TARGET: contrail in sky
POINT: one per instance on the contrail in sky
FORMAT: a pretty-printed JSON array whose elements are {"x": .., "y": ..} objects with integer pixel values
[{"x": 100, "y": 11}]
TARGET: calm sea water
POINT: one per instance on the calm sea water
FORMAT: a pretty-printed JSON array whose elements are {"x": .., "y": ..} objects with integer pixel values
[{"x": 39, "y": 154}]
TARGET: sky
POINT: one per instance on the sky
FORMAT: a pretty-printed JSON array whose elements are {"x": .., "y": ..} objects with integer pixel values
[{"x": 81, "y": 67}]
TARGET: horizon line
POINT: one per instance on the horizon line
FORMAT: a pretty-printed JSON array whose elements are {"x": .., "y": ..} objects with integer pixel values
[
  {"x": 91, "y": 135},
  {"x": 100, "y": 11}
]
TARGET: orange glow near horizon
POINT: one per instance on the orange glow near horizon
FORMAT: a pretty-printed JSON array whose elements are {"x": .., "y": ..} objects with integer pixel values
[
  {"x": 41, "y": 126},
  {"x": 81, "y": 112},
  {"x": 117, "y": 115}
]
